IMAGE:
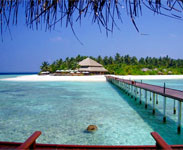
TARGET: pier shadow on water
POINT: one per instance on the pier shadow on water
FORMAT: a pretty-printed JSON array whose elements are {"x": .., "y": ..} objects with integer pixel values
[{"x": 168, "y": 130}]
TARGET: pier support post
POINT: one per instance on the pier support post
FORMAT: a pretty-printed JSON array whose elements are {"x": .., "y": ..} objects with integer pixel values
[
  {"x": 131, "y": 91},
  {"x": 157, "y": 99},
  {"x": 121, "y": 83},
  {"x": 150, "y": 95},
  {"x": 153, "y": 103},
  {"x": 174, "y": 108},
  {"x": 135, "y": 93},
  {"x": 179, "y": 117},
  {"x": 164, "y": 110},
  {"x": 146, "y": 99},
  {"x": 140, "y": 96},
  {"x": 128, "y": 87},
  {"x": 124, "y": 86}
]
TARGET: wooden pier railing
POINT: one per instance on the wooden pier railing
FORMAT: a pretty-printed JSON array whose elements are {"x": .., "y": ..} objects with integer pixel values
[
  {"x": 30, "y": 144},
  {"x": 131, "y": 88},
  {"x": 160, "y": 143}
]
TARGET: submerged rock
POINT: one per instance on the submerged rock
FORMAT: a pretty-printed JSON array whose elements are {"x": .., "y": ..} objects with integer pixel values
[{"x": 91, "y": 128}]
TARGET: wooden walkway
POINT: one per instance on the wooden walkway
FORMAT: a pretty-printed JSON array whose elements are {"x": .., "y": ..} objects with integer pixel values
[
  {"x": 167, "y": 92},
  {"x": 131, "y": 88}
]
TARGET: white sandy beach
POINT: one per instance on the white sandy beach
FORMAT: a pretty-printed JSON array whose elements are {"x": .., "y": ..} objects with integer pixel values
[{"x": 93, "y": 78}]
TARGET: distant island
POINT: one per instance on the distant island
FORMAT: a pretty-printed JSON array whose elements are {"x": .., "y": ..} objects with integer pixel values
[{"x": 121, "y": 65}]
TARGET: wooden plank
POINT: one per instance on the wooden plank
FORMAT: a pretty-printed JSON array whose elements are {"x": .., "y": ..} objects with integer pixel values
[
  {"x": 160, "y": 143},
  {"x": 30, "y": 142}
]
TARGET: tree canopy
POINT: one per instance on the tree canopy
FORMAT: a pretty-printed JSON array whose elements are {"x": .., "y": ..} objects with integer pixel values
[
  {"x": 122, "y": 65},
  {"x": 103, "y": 12}
]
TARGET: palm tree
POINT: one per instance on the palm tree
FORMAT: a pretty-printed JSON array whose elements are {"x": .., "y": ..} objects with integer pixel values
[
  {"x": 117, "y": 58},
  {"x": 127, "y": 59},
  {"x": 51, "y": 12},
  {"x": 134, "y": 60},
  {"x": 99, "y": 59},
  {"x": 105, "y": 60},
  {"x": 111, "y": 60},
  {"x": 142, "y": 61},
  {"x": 45, "y": 66}
]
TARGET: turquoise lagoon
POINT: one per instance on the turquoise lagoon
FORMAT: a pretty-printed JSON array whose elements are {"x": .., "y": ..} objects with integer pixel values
[{"x": 63, "y": 110}]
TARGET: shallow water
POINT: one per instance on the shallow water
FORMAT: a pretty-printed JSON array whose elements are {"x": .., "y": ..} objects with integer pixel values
[{"x": 63, "y": 110}]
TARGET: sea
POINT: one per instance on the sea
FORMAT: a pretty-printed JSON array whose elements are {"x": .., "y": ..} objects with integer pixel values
[{"x": 63, "y": 110}]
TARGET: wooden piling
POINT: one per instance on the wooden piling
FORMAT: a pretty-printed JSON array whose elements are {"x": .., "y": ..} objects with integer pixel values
[
  {"x": 153, "y": 103},
  {"x": 164, "y": 110},
  {"x": 150, "y": 95},
  {"x": 174, "y": 108},
  {"x": 128, "y": 87},
  {"x": 131, "y": 91},
  {"x": 146, "y": 99},
  {"x": 179, "y": 117},
  {"x": 140, "y": 96},
  {"x": 135, "y": 93}
]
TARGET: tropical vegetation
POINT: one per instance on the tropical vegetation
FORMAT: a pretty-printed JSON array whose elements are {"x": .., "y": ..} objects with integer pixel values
[{"x": 122, "y": 65}]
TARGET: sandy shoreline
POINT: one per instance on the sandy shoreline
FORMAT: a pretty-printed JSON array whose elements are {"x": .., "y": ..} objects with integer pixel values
[{"x": 94, "y": 78}]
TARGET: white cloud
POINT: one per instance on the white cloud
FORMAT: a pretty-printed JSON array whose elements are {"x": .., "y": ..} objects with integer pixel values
[
  {"x": 173, "y": 35},
  {"x": 56, "y": 39}
]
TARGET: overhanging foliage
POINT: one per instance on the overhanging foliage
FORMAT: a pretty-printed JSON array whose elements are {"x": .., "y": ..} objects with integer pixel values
[{"x": 103, "y": 12}]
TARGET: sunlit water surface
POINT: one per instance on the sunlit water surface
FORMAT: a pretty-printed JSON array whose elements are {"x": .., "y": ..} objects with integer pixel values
[{"x": 63, "y": 110}]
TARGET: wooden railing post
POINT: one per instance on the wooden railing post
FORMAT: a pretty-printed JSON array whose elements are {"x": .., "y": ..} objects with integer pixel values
[
  {"x": 160, "y": 143},
  {"x": 30, "y": 143}
]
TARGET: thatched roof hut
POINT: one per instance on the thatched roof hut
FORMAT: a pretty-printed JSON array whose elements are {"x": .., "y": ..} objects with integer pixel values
[
  {"x": 91, "y": 66},
  {"x": 145, "y": 69},
  {"x": 169, "y": 72},
  {"x": 160, "y": 73}
]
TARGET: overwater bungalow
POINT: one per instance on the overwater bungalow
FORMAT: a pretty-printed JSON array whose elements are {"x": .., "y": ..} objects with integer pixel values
[{"x": 91, "y": 66}]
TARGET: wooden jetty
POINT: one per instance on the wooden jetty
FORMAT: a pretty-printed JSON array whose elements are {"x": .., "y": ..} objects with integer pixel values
[
  {"x": 132, "y": 88},
  {"x": 30, "y": 144}
]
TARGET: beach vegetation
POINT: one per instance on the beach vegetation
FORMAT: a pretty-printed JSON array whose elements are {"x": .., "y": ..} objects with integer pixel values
[
  {"x": 122, "y": 65},
  {"x": 45, "y": 66}
]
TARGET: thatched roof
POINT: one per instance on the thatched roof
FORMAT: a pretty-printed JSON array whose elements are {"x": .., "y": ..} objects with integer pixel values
[
  {"x": 145, "y": 69},
  {"x": 93, "y": 69},
  {"x": 89, "y": 65},
  {"x": 89, "y": 62}
]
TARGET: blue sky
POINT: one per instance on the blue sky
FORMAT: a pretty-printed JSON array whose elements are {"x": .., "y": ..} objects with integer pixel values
[{"x": 28, "y": 49}]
